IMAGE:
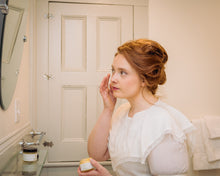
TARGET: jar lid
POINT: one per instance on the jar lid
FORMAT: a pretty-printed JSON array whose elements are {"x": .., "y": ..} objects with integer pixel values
[
  {"x": 86, "y": 160},
  {"x": 31, "y": 150}
]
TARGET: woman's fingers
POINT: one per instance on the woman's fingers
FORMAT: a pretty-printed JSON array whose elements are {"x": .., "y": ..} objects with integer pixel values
[
  {"x": 98, "y": 171},
  {"x": 89, "y": 173},
  {"x": 105, "y": 81},
  {"x": 102, "y": 171},
  {"x": 104, "y": 84},
  {"x": 106, "y": 92},
  {"x": 96, "y": 164}
]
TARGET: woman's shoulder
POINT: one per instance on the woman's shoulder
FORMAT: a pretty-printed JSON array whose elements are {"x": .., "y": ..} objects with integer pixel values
[
  {"x": 173, "y": 115},
  {"x": 169, "y": 108},
  {"x": 158, "y": 110},
  {"x": 155, "y": 113}
]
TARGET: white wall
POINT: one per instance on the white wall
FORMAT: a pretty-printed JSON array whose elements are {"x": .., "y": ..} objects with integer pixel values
[{"x": 190, "y": 31}]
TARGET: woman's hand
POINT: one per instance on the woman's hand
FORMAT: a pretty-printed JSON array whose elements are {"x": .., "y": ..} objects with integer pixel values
[
  {"x": 106, "y": 92},
  {"x": 98, "y": 171}
]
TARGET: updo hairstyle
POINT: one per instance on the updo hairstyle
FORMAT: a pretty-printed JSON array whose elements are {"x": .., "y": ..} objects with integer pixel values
[{"x": 148, "y": 58}]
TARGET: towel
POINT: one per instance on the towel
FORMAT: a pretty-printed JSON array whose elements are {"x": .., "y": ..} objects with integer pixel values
[
  {"x": 212, "y": 146},
  {"x": 197, "y": 146},
  {"x": 213, "y": 126}
]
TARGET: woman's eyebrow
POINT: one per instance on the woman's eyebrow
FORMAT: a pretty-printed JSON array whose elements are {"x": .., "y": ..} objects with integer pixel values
[{"x": 119, "y": 68}]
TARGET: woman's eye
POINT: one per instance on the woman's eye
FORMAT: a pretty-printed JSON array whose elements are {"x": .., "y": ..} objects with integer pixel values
[
  {"x": 113, "y": 70},
  {"x": 123, "y": 73}
]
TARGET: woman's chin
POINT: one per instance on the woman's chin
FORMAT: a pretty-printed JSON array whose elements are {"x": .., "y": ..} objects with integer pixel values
[{"x": 117, "y": 95}]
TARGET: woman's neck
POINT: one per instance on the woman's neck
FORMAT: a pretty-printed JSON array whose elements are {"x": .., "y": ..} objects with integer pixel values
[{"x": 142, "y": 102}]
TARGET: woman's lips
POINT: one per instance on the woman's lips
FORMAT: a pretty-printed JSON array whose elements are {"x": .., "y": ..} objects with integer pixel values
[{"x": 115, "y": 88}]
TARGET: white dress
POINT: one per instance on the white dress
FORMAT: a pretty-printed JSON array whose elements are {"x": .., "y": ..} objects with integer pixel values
[{"x": 131, "y": 140}]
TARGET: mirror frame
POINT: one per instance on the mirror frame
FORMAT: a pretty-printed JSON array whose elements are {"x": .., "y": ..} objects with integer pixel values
[
  {"x": 13, "y": 38},
  {"x": 3, "y": 13}
]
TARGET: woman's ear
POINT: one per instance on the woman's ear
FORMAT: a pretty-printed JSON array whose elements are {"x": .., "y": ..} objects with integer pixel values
[{"x": 143, "y": 84}]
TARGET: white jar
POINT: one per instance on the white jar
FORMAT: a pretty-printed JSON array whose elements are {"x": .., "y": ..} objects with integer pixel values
[
  {"x": 85, "y": 165},
  {"x": 30, "y": 154}
]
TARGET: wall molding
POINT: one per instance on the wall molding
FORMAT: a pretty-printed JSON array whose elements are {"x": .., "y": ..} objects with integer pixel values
[
  {"x": 12, "y": 138},
  {"x": 70, "y": 164},
  {"x": 113, "y": 2}
]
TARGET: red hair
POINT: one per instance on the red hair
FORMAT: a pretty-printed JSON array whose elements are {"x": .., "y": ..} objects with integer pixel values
[{"x": 148, "y": 58}]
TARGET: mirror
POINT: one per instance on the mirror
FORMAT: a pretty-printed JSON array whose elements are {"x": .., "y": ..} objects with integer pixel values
[{"x": 13, "y": 17}]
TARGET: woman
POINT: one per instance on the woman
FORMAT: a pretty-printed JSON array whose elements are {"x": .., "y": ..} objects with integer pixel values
[{"x": 145, "y": 136}]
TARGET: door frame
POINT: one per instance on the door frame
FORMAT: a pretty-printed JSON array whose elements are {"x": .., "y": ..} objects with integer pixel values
[{"x": 40, "y": 104}]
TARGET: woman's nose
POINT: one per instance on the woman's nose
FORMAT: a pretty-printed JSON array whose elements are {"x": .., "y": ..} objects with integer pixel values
[{"x": 113, "y": 77}]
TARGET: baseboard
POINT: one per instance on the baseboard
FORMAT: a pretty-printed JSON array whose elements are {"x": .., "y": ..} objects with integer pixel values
[{"x": 11, "y": 139}]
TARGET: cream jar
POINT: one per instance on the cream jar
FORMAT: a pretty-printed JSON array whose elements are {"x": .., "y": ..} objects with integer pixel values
[
  {"x": 30, "y": 154},
  {"x": 85, "y": 165}
]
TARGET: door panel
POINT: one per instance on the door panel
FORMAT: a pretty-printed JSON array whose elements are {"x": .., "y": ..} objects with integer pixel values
[
  {"x": 73, "y": 31},
  {"x": 111, "y": 27},
  {"x": 83, "y": 39}
]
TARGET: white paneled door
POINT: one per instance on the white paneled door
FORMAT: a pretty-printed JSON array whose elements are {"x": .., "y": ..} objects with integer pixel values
[{"x": 83, "y": 39}]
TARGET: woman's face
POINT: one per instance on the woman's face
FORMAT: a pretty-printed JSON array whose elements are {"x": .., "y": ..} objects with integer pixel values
[{"x": 125, "y": 81}]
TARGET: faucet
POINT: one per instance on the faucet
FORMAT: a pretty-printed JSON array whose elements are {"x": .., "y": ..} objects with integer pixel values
[{"x": 33, "y": 133}]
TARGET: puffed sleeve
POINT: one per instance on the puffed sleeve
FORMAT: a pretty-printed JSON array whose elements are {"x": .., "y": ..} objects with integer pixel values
[{"x": 170, "y": 157}]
